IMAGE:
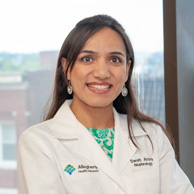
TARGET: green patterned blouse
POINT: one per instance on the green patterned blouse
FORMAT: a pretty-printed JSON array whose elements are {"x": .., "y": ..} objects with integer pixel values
[{"x": 105, "y": 138}]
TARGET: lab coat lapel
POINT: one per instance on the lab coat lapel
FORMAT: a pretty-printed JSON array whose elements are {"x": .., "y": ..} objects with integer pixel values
[
  {"x": 124, "y": 148},
  {"x": 87, "y": 146},
  {"x": 90, "y": 149}
]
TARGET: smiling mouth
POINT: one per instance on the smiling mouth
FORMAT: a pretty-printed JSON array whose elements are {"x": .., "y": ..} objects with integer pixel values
[{"x": 99, "y": 87}]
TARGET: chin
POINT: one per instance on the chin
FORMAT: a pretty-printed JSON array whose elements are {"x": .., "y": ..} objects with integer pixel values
[{"x": 100, "y": 104}]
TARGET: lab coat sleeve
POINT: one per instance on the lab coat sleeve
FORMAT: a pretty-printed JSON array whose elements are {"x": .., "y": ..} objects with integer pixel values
[
  {"x": 173, "y": 179},
  {"x": 37, "y": 173}
]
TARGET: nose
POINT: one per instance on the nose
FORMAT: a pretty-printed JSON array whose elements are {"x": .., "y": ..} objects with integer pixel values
[{"x": 102, "y": 69}]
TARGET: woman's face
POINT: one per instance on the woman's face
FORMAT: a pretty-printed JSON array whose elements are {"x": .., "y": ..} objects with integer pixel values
[{"x": 100, "y": 70}]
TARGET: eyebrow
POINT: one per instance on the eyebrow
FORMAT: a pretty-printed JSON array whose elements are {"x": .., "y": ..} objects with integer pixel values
[
  {"x": 88, "y": 51},
  {"x": 111, "y": 53},
  {"x": 117, "y": 53}
]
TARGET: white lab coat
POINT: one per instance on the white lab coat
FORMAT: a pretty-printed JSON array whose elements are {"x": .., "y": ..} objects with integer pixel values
[{"x": 46, "y": 150}]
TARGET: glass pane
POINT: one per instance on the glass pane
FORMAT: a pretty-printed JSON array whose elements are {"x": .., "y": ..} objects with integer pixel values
[
  {"x": 150, "y": 82},
  {"x": 152, "y": 96},
  {"x": 149, "y": 75},
  {"x": 9, "y": 152},
  {"x": 8, "y": 133}
]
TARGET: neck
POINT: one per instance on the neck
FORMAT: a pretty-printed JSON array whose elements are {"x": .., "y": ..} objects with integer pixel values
[{"x": 94, "y": 117}]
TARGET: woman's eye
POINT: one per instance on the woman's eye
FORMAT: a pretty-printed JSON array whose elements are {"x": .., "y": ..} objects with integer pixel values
[
  {"x": 87, "y": 59},
  {"x": 115, "y": 60}
]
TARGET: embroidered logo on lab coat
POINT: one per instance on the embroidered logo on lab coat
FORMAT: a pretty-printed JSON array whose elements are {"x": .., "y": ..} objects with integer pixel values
[
  {"x": 69, "y": 169},
  {"x": 86, "y": 168}
]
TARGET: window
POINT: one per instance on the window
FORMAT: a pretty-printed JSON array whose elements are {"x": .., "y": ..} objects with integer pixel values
[
  {"x": 7, "y": 145},
  {"x": 8, "y": 139},
  {"x": 8, "y": 191},
  {"x": 149, "y": 79}
]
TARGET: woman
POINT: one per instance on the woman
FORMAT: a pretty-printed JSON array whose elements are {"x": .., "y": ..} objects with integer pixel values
[{"x": 94, "y": 139}]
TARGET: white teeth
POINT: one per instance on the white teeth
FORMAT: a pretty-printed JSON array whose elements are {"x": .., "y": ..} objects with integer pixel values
[{"x": 99, "y": 87}]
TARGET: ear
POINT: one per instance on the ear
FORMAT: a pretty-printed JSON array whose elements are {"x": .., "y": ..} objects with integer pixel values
[
  {"x": 64, "y": 65},
  {"x": 127, "y": 70}
]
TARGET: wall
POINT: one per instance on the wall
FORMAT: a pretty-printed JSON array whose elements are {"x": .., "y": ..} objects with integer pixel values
[{"x": 185, "y": 61}]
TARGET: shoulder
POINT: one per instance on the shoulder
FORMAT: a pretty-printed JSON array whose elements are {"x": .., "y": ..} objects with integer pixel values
[
  {"x": 140, "y": 128},
  {"x": 144, "y": 130},
  {"x": 37, "y": 136},
  {"x": 44, "y": 128},
  {"x": 151, "y": 130},
  {"x": 155, "y": 133}
]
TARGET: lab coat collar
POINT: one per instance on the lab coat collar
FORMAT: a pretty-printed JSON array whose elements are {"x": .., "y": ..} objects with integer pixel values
[
  {"x": 123, "y": 146},
  {"x": 65, "y": 117},
  {"x": 88, "y": 147}
]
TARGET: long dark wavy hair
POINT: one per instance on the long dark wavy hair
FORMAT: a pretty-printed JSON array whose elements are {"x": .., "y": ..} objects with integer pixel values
[{"x": 71, "y": 48}]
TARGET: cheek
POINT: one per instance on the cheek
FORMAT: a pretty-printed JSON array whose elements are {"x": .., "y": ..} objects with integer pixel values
[
  {"x": 77, "y": 74},
  {"x": 121, "y": 75},
  {"x": 78, "y": 78}
]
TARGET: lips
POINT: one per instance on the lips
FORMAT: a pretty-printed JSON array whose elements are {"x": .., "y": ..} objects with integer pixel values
[
  {"x": 102, "y": 87},
  {"x": 99, "y": 87}
]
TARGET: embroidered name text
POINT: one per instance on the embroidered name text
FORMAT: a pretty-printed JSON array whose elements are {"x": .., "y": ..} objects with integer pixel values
[{"x": 142, "y": 162}]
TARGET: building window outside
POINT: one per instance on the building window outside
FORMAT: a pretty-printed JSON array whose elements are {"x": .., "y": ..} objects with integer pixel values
[
  {"x": 8, "y": 141},
  {"x": 8, "y": 191},
  {"x": 7, "y": 146},
  {"x": 149, "y": 83}
]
